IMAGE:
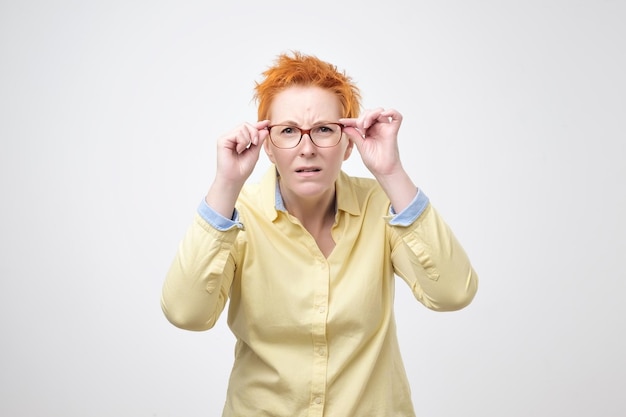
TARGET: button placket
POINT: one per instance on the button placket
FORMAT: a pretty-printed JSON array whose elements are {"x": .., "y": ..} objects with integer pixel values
[{"x": 319, "y": 344}]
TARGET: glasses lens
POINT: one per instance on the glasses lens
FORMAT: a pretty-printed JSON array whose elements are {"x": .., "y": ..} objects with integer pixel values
[
  {"x": 285, "y": 136},
  {"x": 326, "y": 135}
]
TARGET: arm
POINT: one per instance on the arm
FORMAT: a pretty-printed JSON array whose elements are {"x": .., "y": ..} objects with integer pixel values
[
  {"x": 427, "y": 255},
  {"x": 198, "y": 282}
]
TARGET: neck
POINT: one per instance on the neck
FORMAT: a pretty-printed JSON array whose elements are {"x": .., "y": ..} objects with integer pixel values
[{"x": 315, "y": 212}]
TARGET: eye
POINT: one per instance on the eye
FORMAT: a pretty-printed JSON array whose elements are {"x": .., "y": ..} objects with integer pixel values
[
  {"x": 289, "y": 130},
  {"x": 328, "y": 129}
]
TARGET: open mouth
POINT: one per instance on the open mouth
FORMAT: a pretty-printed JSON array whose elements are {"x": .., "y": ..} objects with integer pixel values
[{"x": 308, "y": 170}]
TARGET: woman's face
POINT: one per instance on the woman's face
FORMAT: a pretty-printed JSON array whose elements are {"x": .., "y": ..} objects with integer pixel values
[{"x": 307, "y": 171}]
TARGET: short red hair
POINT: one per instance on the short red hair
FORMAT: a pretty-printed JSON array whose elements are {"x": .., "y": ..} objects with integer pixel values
[{"x": 306, "y": 70}]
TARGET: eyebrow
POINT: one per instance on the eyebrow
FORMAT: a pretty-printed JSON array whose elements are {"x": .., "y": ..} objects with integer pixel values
[{"x": 294, "y": 124}]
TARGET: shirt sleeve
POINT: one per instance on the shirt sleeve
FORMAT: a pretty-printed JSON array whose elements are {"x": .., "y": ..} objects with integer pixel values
[
  {"x": 217, "y": 220},
  {"x": 427, "y": 255},
  {"x": 198, "y": 282},
  {"x": 411, "y": 212}
]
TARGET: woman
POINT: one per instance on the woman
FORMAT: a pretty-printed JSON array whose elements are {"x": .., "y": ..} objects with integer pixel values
[{"x": 307, "y": 257}]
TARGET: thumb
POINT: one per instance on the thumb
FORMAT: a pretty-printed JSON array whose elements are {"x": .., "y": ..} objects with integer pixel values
[{"x": 354, "y": 135}]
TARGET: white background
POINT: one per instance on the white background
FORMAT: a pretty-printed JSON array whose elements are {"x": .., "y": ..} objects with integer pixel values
[{"x": 514, "y": 127}]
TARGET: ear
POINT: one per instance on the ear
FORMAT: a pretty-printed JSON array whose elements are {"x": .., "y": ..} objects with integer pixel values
[
  {"x": 268, "y": 150},
  {"x": 348, "y": 150}
]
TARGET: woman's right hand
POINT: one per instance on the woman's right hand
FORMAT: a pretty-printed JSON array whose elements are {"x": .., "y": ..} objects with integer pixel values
[
  {"x": 237, "y": 155},
  {"x": 238, "y": 151}
]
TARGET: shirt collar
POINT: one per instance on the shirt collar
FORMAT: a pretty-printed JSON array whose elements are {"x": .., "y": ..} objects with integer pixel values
[{"x": 346, "y": 194}]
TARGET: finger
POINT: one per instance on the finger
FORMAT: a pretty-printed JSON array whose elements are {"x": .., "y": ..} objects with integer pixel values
[
  {"x": 247, "y": 135},
  {"x": 354, "y": 135},
  {"x": 370, "y": 117},
  {"x": 263, "y": 124},
  {"x": 390, "y": 116},
  {"x": 243, "y": 137},
  {"x": 257, "y": 132},
  {"x": 251, "y": 135},
  {"x": 353, "y": 127},
  {"x": 261, "y": 132},
  {"x": 348, "y": 121},
  {"x": 242, "y": 141}
]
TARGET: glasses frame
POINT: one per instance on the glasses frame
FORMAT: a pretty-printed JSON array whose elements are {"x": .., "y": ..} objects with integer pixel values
[{"x": 306, "y": 132}]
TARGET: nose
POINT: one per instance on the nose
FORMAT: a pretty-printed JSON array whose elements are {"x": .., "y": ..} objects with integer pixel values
[{"x": 306, "y": 144}]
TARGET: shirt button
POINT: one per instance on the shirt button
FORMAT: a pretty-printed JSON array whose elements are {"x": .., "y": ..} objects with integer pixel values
[
  {"x": 318, "y": 400},
  {"x": 321, "y": 351},
  {"x": 322, "y": 309}
]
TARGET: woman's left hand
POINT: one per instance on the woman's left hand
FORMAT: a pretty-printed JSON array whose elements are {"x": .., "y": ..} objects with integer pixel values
[{"x": 375, "y": 134}]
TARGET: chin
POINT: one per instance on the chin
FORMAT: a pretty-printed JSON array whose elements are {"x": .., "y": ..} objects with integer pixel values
[{"x": 309, "y": 189}]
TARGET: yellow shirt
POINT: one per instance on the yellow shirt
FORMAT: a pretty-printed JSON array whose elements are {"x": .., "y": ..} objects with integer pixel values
[{"x": 315, "y": 336}]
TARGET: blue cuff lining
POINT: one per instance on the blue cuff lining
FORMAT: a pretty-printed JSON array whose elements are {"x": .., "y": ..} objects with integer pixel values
[
  {"x": 217, "y": 220},
  {"x": 407, "y": 216}
]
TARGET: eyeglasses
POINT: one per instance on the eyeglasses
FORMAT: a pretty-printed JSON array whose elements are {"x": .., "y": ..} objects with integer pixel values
[{"x": 324, "y": 135}]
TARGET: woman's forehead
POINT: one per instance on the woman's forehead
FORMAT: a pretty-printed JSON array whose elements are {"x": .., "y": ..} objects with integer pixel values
[{"x": 305, "y": 102}]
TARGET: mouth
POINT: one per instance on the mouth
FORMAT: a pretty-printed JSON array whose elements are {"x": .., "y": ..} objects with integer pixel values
[{"x": 313, "y": 169}]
